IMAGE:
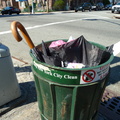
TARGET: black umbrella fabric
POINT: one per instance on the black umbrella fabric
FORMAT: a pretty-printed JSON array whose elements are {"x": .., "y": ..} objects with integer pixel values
[
  {"x": 76, "y": 51},
  {"x": 50, "y": 58}
]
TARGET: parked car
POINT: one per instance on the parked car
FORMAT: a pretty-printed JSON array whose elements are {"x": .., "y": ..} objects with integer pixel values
[
  {"x": 108, "y": 7},
  {"x": 116, "y": 8},
  {"x": 94, "y": 7},
  {"x": 10, "y": 10},
  {"x": 83, "y": 7},
  {"x": 99, "y": 6}
]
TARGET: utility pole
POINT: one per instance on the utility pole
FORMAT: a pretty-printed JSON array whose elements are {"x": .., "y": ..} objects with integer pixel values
[
  {"x": 113, "y": 2},
  {"x": 32, "y": 7},
  {"x": 47, "y": 6}
]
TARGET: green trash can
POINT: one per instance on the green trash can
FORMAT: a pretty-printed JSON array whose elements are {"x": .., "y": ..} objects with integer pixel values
[{"x": 69, "y": 94}]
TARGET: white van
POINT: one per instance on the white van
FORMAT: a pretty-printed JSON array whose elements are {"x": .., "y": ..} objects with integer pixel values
[{"x": 116, "y": 8}]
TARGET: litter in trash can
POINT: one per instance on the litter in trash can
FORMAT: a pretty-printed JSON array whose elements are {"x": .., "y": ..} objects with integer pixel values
[
  {"x": 76, "y": 51},
  {"x": 75, "y": 65},
  {"x": 60, "y": 42},
  {"x": 57, "y": 43}
]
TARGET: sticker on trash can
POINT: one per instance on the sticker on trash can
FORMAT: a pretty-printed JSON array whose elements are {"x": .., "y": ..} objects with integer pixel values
[{"x": 88, "y": 76}]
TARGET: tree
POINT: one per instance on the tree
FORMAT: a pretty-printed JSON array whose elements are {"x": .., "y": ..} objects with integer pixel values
[
  {"x": 105, "y": 2},
  {"x": 59, "y": 5}
]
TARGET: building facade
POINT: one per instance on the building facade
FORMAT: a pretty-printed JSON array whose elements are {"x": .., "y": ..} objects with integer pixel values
[
  {"x": 70, "y": 4},
  {"x": 5, "y": 3}
]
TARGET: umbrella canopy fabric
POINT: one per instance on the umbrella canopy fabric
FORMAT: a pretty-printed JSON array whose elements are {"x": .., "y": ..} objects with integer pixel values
[{"x": 76, "y": 51}]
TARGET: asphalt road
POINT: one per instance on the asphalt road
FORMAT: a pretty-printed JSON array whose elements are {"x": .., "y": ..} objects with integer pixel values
[{"x": 97, "y": 26}]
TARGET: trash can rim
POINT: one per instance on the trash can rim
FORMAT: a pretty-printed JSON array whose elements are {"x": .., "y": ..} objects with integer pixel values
[
  {"x": 72, "y": 85},
  {"x": 75, "y": 69}
]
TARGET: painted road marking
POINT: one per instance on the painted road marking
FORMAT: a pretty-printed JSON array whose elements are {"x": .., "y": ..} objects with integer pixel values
[
  {"x": 54, "y": 23},
  {"x": 44, "y": 25}
]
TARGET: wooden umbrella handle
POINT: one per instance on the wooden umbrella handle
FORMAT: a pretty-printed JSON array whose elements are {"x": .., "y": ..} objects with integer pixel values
[{"x": 14, "y": 26}]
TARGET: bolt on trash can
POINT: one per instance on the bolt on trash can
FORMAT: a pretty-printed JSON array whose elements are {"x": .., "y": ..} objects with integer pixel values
[
  {"x": 69, "y": 94},
  {"x": 9, "y": 88}
]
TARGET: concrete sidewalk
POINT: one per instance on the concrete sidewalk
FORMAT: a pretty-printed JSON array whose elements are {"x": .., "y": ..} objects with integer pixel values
[{"x": 117, "y": 16}]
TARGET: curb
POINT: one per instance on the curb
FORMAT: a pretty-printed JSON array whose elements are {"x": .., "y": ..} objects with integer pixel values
[{"x": 117, "y": 16}]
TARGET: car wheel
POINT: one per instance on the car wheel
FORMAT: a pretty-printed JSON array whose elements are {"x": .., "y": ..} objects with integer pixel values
[
  {"x": 83, "y": 10},
  {"x": 17, "y": 13},
  {"x": 90, "y": 10},
  {"x": 2, "y": 13},
  {"x": 9, "y": 13},
  {"x": 76, "y": 10},
  {"x": 112, "y": 11}
]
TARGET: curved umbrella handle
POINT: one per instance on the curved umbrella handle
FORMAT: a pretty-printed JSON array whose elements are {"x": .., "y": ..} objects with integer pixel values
[{"x": 14, "y": 26}]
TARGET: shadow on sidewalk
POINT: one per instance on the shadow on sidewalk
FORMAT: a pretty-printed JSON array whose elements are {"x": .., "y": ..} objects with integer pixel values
[
  {"x": 103, "y": 20},
  {"x": 23, "y": 69},
  {"x": 115, "y": 71},
  {"x": 115, "y": 60},
  {"x": 28, "y": 95},
  {"x": 28, "y": 85},
  {"x": 28, "y": 91}
]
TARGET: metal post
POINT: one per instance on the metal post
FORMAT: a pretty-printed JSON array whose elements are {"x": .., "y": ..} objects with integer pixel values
[
  {"x": 47, "y": 6},
  {"x": 32, "y": 7}
]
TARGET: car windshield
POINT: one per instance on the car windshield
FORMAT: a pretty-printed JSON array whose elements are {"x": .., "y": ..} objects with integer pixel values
[
  {"x": 100, "y": 3},
  {"x": 85, "y": 4},
  {"x": 81, "y": 4},
  {"x": 7, "y": 8},
  {"x": 118, "y": 4}
]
